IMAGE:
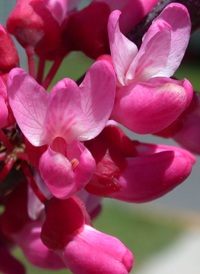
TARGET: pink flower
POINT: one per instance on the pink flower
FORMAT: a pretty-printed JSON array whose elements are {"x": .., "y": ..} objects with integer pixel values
[
  {"x": 147, "y": 100},
  {"x": 68, "y": 232},
  {"x": 61, "y": 120},
  {"x": 36, "y": 24},
  {"x": 135, "y": 172}
]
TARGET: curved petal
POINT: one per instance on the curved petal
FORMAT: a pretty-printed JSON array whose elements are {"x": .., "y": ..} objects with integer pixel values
[
  {"x": 152, "y": 176},
  {"x": 57, "y": 173},
  {"x": 123, "y": 51},
  {"x": 97, "y": 97},
  {"x": 147, "y": 108},
  {"x": 178, "y": 17},
  {"x": 64, "y": 116},
  {"x": 147, "y": 149},
  {"x": 28, "y": 101},
  {"x": 94, "y": 251},
  {"x": 153, "y": 53},
  {"x": 58, "y": 9}
]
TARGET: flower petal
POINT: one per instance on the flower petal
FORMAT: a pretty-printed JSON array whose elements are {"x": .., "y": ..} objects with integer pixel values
[
  {"x": 153, "y": 53},
  {"x": 92, "y": 251},
  {"x": 123, "y": 51},
  {"x": 85, "y": 167},
  {"x": 97, "y": 97},
  {"x": 152, "y": 176},
  {"x": 64, "y": 116},
  {"x": 178, "y": 17},
  {"x": 57, "y": 173},
  {"x": 146, "y": 108},
  {"x": 28, "y": 101}
]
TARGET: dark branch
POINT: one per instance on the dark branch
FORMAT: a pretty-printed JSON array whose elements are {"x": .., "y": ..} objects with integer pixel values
[{"x": 193, "y": 7}]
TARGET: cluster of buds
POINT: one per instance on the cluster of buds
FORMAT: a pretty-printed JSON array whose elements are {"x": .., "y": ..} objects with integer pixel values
[{"x": 62, "y": 151}]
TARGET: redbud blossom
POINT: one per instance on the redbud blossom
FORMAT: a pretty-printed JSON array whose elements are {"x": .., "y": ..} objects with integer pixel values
[
  {"x": 34, "y": 25},
  {"x": 139, "y": 174},
  {"x": 146, "y": 99},
  {"x": 67, "y": 231},
  {"x": 61, "y": 120}
]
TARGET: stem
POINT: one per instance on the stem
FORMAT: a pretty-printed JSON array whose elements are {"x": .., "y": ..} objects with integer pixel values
[
  {"x": 52, "y": 72},
  {"x": 22, "y": 156},
  {"x": 7, "y": 168},
  {"x": 3, "y": 156},
  {"x": 31, "y": 61},
  {"x": 41, "y": 68},
  {"x": 6, "y": 141},
  {"x": 33, "y": 184}
]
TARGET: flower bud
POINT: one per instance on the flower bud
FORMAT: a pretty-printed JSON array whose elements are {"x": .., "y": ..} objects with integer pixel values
[
  {"x": 8, "y": 53},
  {"x": 67, "y": 231},
  {"x": 34, "y": 25}
]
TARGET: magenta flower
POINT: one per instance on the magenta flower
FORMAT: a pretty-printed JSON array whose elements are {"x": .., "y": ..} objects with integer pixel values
[
  {"x": 147, "y": 100},
  {"x": 61, "y": 120},
  {"x": 135, "y": 172},
  {"x": 36, "y": 24},
  {"x": 67, "y": 231}
]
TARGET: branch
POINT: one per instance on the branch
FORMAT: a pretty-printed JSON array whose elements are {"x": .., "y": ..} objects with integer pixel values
[{"x": 193, "y": 7}]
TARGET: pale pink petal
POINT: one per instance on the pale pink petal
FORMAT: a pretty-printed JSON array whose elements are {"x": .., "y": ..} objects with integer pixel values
[
  {"x": 35, "y": 206},
  {"x": 97, "y": 97},
  {"x": 178, "y": 17},
  {"x": 28, "y": 101},
  {"x": 58, "y": 9},
  {"x": 146, "y": 108},
  {"x": 56, "y": 171},
  {"x": 93, "y": 251},
  {"x": 64, "y": 116},
  {"x": 123, "y": 51},
  {"x": 153, "y": 54}
]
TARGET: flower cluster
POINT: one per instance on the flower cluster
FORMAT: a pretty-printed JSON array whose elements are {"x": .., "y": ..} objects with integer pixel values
[{"x": 62, "y": 151}]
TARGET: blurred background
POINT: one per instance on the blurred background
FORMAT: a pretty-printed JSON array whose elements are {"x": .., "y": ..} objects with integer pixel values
[{"x": 161, "y": 234}]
